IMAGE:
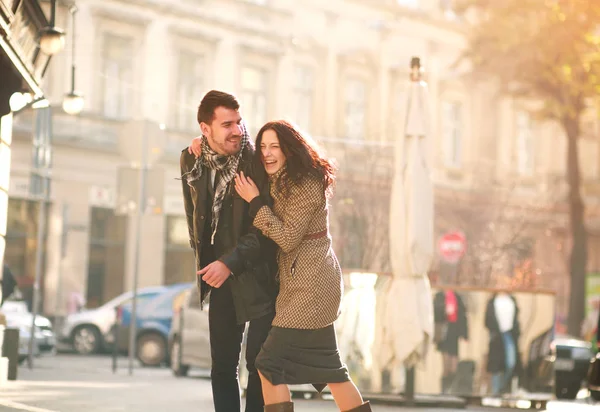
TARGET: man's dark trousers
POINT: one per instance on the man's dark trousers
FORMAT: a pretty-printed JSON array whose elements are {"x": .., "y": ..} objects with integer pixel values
[{"x": 225, "y": 343}]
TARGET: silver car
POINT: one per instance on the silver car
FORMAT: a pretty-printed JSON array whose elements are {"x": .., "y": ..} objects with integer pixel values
[
  {"x": 189, "y": 341},
  {"x": 18, "y": 316},
  {"x": 188, "y": 338},
  {"x": 89, "y": 331}
]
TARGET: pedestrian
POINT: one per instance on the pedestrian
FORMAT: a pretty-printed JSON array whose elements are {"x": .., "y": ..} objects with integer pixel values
[
  {"x": 502, "y": 322},
  {"x": 241, "y": 289},
  {"x": 302, "y": 346},
  {"x": 451, "y": 324},
  {"x": 9, "y": 283}
]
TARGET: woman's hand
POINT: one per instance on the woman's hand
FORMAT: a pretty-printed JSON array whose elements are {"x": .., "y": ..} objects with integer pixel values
[
  {"x": 245, "y": 187},
  {"x": 195, "y": 147}
]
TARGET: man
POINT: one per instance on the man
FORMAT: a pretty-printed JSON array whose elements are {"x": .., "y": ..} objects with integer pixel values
[{"x": 236, "y": 264}]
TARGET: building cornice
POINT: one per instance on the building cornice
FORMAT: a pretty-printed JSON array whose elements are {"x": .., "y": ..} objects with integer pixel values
[
  {"x": 195, "y": 14},
  {"x": 400, "y": 12}
]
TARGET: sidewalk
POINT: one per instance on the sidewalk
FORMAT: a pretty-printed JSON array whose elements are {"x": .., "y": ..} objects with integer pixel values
[{"x": 72, "y": 383}]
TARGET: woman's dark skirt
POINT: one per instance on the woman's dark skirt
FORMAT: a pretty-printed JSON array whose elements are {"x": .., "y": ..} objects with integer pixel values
[{"x": 302, "y": 356}]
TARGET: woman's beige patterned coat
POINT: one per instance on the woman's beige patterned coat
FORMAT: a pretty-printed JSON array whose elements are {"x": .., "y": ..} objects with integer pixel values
[{"x": 309, "y": 273}]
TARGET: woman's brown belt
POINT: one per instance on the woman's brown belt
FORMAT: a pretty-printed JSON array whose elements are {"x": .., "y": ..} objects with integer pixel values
[{"x": 317, "y": 235}]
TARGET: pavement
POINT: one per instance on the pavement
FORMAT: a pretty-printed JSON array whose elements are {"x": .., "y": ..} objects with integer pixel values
[{"x": 72, "y": 383}]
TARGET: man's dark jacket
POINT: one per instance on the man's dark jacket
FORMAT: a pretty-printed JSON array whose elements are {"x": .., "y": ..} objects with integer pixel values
[{"x": 247, "y": 253}]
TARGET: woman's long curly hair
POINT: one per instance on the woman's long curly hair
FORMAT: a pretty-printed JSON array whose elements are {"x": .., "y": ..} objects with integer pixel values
[{"x": 302, "y": 157}]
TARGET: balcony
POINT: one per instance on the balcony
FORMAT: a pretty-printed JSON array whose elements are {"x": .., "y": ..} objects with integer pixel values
[{"x": 85, "y": 131}]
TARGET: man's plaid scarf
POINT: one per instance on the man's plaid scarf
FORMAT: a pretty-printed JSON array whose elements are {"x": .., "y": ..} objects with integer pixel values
[{"x": 226, "y": 165}]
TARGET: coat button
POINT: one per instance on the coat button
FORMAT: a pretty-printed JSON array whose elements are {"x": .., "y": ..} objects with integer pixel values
[{"x": 202, "y": 217}]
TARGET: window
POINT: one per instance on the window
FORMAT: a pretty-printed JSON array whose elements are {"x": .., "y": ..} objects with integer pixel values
[
  {"x": 189, "y": 90},
  {"x": 303, "y": 96},
  {"x": 355, "y": 110},
  {"x": 254, "y": 98},
  {"x": 106, "y": 266},
  {"x": 21, "y": 245},
  {"x": 525, "y": 144},
  {"x": 117, "y": 75},
  {"x": 179, "y": 257},
  {"x": 452, "y": 133}
]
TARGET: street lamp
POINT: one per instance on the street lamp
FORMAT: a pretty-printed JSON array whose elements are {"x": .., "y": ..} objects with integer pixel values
[
  {"x": 52, "y": 39},
  {"x": 73, "y": 101}
]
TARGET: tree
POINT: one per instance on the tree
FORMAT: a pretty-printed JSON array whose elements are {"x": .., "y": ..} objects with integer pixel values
[
  {"x": 501, "y": 235},
  {"x": 360, "y": 207},
  {"x": 546, "y": 51}
]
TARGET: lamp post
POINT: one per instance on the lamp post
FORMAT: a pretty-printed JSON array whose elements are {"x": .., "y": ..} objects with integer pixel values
[
  {"x": 52, "y": 38},
  {"x": 73, "y": 101},
  {"x": 52, "y": 41}
]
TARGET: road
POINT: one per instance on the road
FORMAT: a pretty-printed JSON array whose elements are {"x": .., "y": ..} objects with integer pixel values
[{"x": 71, "y": 383}]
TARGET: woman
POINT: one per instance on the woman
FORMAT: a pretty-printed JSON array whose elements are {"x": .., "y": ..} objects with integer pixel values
[{"x": 301, "y": 347}]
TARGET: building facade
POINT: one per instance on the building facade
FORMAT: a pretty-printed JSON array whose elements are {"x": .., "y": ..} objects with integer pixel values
[
  {"x": 339, "y": 69},
  {"x": 22, "y": 66}
]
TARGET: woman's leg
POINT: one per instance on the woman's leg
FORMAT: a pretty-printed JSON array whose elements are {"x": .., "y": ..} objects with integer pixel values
[
  {"x": 274, "y": 393},
  {"x": 346, "y": 395}
]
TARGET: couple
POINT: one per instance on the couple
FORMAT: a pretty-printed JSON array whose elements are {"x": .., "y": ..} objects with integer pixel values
[{"x": 258, "y": 225}]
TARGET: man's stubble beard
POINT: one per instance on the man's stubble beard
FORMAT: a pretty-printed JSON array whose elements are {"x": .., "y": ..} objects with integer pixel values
[{"x": 212, "y": 142}]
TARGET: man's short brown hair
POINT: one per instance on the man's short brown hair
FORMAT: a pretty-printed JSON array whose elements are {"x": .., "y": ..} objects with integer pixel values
[{"x": 212, "y": 100}]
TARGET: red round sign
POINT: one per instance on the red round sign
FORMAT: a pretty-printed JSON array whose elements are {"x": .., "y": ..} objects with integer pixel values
[{"x": 452, "y": 246}]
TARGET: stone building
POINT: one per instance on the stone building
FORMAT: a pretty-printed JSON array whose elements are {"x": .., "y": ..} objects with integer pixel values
[{"x": 339, "y": 69}]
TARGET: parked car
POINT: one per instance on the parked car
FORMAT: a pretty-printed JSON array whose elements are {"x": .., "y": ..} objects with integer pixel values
[
  {"x": 571, "y": 358},
  {"x": 89, "y": 331},
  {"x": 18, "y": 316},
  {"x": 558, "y": 363},
  {"x": 593, "y": 378},
  {"x": 153, "y": 323},
  {"x": 538, "y": 374},
  {"x": 189, "y": 342},
  {"x": 188, "y": 338}
]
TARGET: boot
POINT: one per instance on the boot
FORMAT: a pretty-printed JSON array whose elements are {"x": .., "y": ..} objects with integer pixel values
[
  {"x": 365, "y": 407},
  {"x": 280, "y": 407}
]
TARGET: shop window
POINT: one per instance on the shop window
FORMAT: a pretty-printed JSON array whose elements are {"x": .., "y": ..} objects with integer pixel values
[{"x": 106, "y": 266}]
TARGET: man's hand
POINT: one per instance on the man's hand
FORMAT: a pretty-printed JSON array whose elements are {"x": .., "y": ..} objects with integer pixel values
[
  {"x": 195, "y": 147},
  {"x": 215, "y": 274}
]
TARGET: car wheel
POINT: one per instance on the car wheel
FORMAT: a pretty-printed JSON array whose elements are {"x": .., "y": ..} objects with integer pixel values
[
  {"x": 151, "y": 349},
  {"x": 86, "y": 340},
  {"x": 176, "y": 366},
  {"x": 566, "y": 390}
]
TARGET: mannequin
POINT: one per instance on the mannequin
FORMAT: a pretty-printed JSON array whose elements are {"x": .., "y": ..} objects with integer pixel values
[
  {"x": 451, "y": 325},
  {"x": 502, "y": 321}
]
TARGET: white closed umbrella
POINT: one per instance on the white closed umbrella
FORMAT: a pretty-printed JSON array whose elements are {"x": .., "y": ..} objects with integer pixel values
[{"x": 407, "y": 321}]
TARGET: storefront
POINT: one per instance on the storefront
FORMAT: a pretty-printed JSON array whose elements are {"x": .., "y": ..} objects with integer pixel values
[{"x": 22, "y": 66}]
